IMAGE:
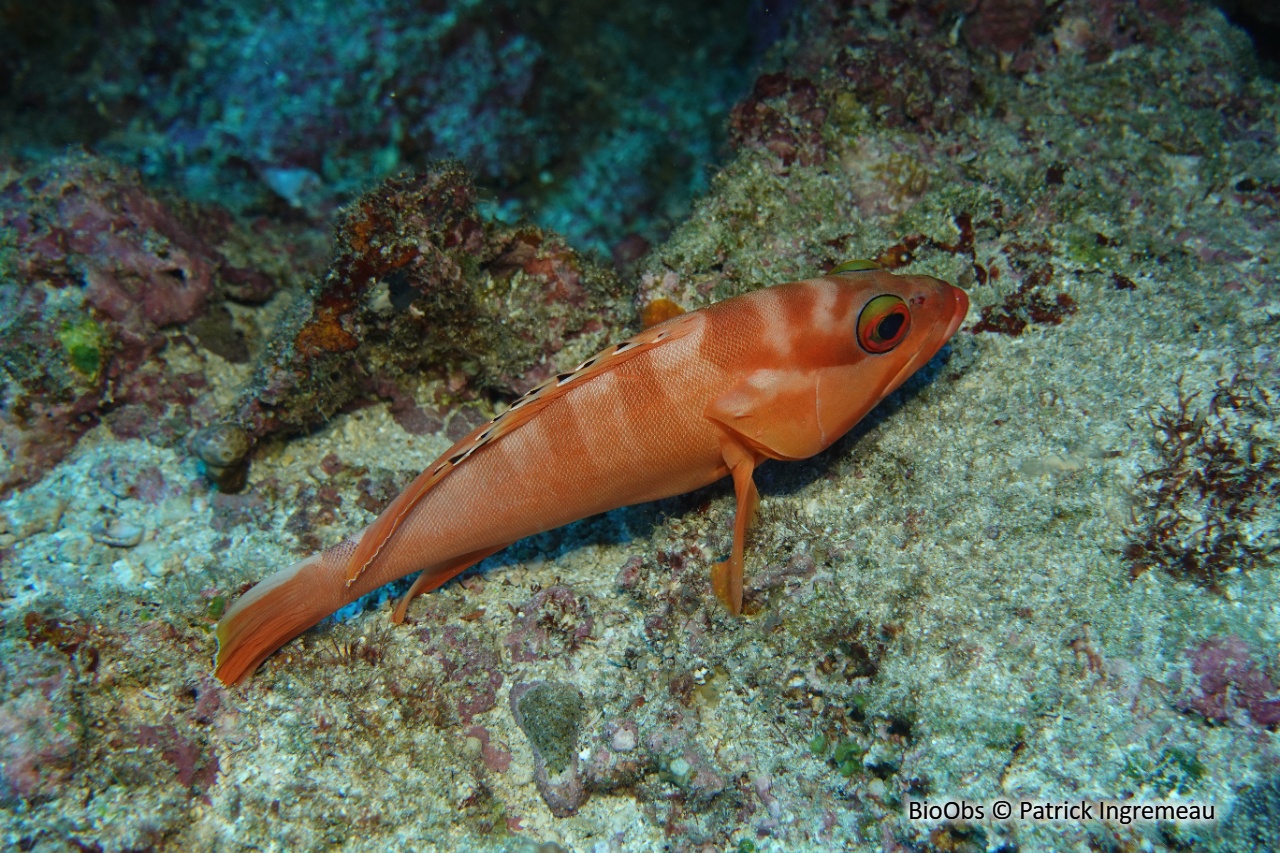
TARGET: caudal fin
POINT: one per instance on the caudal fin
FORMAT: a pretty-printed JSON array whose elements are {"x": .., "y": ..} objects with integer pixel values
[{"x": 270, "y": 615}]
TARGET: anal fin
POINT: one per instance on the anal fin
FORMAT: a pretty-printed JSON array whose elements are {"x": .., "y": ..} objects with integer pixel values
[{"x": 437, "y": 576}]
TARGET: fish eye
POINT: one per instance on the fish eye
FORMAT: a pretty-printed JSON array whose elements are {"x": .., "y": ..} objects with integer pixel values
[{"x": 883, "y": 323}]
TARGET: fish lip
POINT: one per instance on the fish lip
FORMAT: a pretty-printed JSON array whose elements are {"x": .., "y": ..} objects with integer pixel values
[{"x": 959, "y": 311}]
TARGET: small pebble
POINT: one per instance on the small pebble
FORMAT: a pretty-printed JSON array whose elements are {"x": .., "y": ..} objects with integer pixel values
[
  {"x": 75, "y": 549},
  {"x": 623, "y": 740},
  {"x": 224, "y": 449},
  {"x": 221, "y": 445},
  {"x": 550, "y": 714},
  {"x": 161, "y": 564},
  {"x": 126, "y": 574},
  {"x": 39, "y": 515}
]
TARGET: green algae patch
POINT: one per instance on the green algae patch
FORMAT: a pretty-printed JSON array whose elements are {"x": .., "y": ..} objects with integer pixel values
[
  {"x": 83, "y": 342},
  {"x": 1173, "y": 771},
  {"x": 848, "y": 758},
  {"x": 551, "y": 716},
  {"x": 217, "y": 606}
]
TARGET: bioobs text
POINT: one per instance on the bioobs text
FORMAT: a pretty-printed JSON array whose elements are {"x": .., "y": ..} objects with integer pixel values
[{"x": 949, "y": 810}]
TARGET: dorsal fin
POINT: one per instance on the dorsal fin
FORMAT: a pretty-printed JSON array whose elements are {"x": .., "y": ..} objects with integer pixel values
[{"x": 521, "y": 412}]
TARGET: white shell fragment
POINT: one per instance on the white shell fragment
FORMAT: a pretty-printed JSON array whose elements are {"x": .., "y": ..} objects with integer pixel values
[{"x": 116, "y": 532}]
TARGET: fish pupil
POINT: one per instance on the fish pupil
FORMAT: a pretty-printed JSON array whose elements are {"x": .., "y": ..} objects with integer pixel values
[{"x": 890, "y": 326}]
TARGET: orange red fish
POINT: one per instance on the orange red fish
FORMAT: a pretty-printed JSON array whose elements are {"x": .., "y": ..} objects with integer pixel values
[{"x": 778, "y": 373}]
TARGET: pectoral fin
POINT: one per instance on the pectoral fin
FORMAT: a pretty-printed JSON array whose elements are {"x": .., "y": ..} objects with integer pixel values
[
  {"x": 775, "y": 412},
  {"x": 726, "y": 577}
]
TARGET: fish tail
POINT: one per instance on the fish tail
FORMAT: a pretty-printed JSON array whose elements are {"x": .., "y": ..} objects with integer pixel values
[{"x": 273, "y": 613}]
